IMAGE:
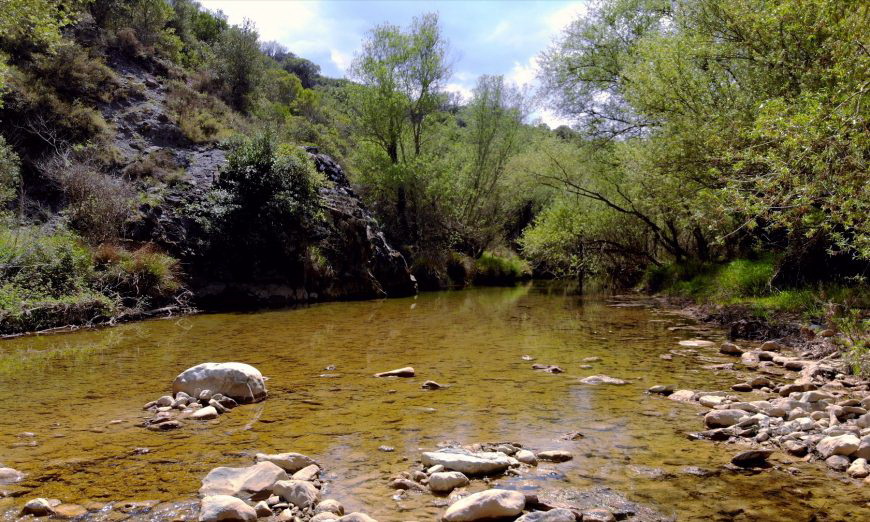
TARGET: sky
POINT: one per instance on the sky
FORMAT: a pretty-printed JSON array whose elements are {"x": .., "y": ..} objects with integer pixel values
[{"x": 486, "y": 37}]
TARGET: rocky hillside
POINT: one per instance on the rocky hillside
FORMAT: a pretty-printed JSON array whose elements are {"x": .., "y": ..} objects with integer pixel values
[{"x": 358, "y": 262}]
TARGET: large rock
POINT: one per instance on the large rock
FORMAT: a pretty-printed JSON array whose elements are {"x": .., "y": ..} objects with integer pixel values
[
  {"x": 490, "y": 504},
  {"x": 297, "y": 492},
  {"x": 447, "y": 481},
  {"x": 224, "y": 507},
  {"x": 10, "y": 476},
  {"x": 289, "y": 462},
  {"x": 840, "y": 445},
  {"x": 240, "y": 381},
  {"x": 723, "y": 418},
  {"x": 482, "y": 463},
  {"x": 252, "y": 481},
  {"x": 330, "y": 506}
]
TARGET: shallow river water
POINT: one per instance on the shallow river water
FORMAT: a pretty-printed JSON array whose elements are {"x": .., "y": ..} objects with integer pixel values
[{"x": 67, "y": 389}]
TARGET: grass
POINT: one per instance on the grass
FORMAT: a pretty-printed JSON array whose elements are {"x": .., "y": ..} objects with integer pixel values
[
  {"x": 51, "y": 278},
  {"x": 491, "y": 268},
  {"x": 747, "y": 282}
]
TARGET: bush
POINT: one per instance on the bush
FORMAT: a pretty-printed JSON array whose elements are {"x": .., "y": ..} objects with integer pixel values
[
  {"x": 97, "y": 205},
  {"x": 143, "y": 273},
  {"x": 265, "y": 208},
  {"x": 492, "y": 269},
  {"x": 202, "y": 118}
]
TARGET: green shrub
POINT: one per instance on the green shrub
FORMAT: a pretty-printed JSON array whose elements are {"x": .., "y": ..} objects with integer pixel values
[
  {"x": 490, "y": 268},
  {"x": 143, "y": 273},
  {"x": 202, "y": 118},
  {"x": 264, "y": 210}
]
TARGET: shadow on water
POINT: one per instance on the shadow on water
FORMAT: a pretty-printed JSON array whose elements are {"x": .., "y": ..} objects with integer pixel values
[{"x": 72, "y": 389}]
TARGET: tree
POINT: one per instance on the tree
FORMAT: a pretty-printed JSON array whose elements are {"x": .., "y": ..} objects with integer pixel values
[
  {"x": 238, "y": 64},
  {"x": 401, "y": 74}
]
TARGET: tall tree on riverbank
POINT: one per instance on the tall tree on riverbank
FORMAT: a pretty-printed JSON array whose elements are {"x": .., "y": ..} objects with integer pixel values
[{"x": 737, "y": 122}]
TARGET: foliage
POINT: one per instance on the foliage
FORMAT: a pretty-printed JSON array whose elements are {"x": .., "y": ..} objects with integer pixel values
[
  {"x": 10, "y": 177},
  {"x": 732, "y": 125},
  {"x": 238, "y": 64},
  {"x": 265, "y": 208},
  {"x": 491, "y": 268}
]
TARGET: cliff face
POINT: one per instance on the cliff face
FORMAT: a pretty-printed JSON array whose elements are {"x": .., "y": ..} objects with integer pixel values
[{"x": 357, "y": 262}]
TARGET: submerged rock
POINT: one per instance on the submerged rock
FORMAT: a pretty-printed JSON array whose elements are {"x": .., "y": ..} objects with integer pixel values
[
  {"x": 215, "y": 508},
  {"x": 399, "y": 372},
  {"x": 601, "y": 379},
  {"x": 239, "y": 381},
  {"x": 555, "y": 455},
  {"x": 751, "y": 458},
  {"x": 10, "y": 476},
  {"x": 431, "y": 385},
  {"x": 554, "y": 515},
  {"x": 242, "y": 482},
  {"x": 490, "y": 504}
]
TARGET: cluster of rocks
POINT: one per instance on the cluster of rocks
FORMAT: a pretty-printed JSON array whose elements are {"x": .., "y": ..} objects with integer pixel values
[
  {"x": 821, "y": 415},
  {"x": 205, "y": 392},
  {"x": 450, "y": 470},
  {"x": 285, "y": 486}
]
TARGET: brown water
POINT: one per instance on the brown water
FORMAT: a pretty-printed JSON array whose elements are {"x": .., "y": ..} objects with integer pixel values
[{"x": 67, "y": 389}]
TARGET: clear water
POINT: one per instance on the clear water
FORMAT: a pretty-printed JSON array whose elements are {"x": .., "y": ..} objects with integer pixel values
[{"x": 68, "y": 389}]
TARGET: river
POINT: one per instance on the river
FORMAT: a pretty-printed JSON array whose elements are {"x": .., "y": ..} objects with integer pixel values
[{"x": 81, "y": 395}]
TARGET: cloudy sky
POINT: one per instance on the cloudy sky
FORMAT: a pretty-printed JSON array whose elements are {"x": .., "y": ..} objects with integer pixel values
[{"x": 486, "y": 37}]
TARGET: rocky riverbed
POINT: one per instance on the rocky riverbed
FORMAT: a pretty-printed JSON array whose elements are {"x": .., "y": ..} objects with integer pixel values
[{"x": 78, "y": 437}]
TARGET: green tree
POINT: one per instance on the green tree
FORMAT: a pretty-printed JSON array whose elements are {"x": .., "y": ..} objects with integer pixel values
[{"x": 238, "y": 64}]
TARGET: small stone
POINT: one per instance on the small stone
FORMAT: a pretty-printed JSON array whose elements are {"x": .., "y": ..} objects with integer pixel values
[
  {"x": 356, "y": 517},
  {"x": 771, "y": 346},
  {"x": 858, "y": 469},
  {"x": 723, "y": 418},
  {"x": 837, "y": 462},
  {"x": 682, "y": 396},
  {"x": 10, "y": 476},
  {"x": 300, "y": 493},
  {"x": 447, "y": 481},
  {"x": 555, "y": 455},
  {"x": 38, "y": 507},
  {"x": 407, "y": 484},
  {"x": 526, "y": 457},
  {"x": 308, "y": 473},
  {"x": 330, "y": 506},
  {"x": 591, "y": 359},
  {"x": 290, "y": 462},
  {"x": 431, "y": 385},
  {"x": 601, "y": 379},
  {"x": 399, "y": 372},
  {"x": 742, "y": 387},
  {"x": 224, "y": 507},
  {"x": 435, "y": 469},
  {"x": 751, "y": 458},
  {"x": 730, "y": 349},
  {"x": 598, "y": 515},
  {"x": 263, "y": 510},
  {"x": 760, "y": 382},
  {"x": 489, "y": 504},
  {"x": 207, "y": 413},
  {"x": 844, "y": 445},
  {"x": 166, "y": 400},
  {"x": 660, "y": 389},
  {"x": 554, "y": 515}
]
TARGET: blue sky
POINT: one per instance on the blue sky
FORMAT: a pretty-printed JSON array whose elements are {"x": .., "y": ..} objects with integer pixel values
[{"x": 486, "y": 37}]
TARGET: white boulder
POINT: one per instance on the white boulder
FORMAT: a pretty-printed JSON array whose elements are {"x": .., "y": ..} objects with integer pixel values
[{"x": 240, "y": 381}]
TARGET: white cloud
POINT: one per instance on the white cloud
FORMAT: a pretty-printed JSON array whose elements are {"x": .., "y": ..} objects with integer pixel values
[
  {"x": 501, "y": 29},
  {"x": 463, "y": 91},
  {"x": 340, "y": 59},
  {"x": 524, "y": 74},
  {"x": 552, "y": 119},
  {"x": 560, "y": 18}
]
